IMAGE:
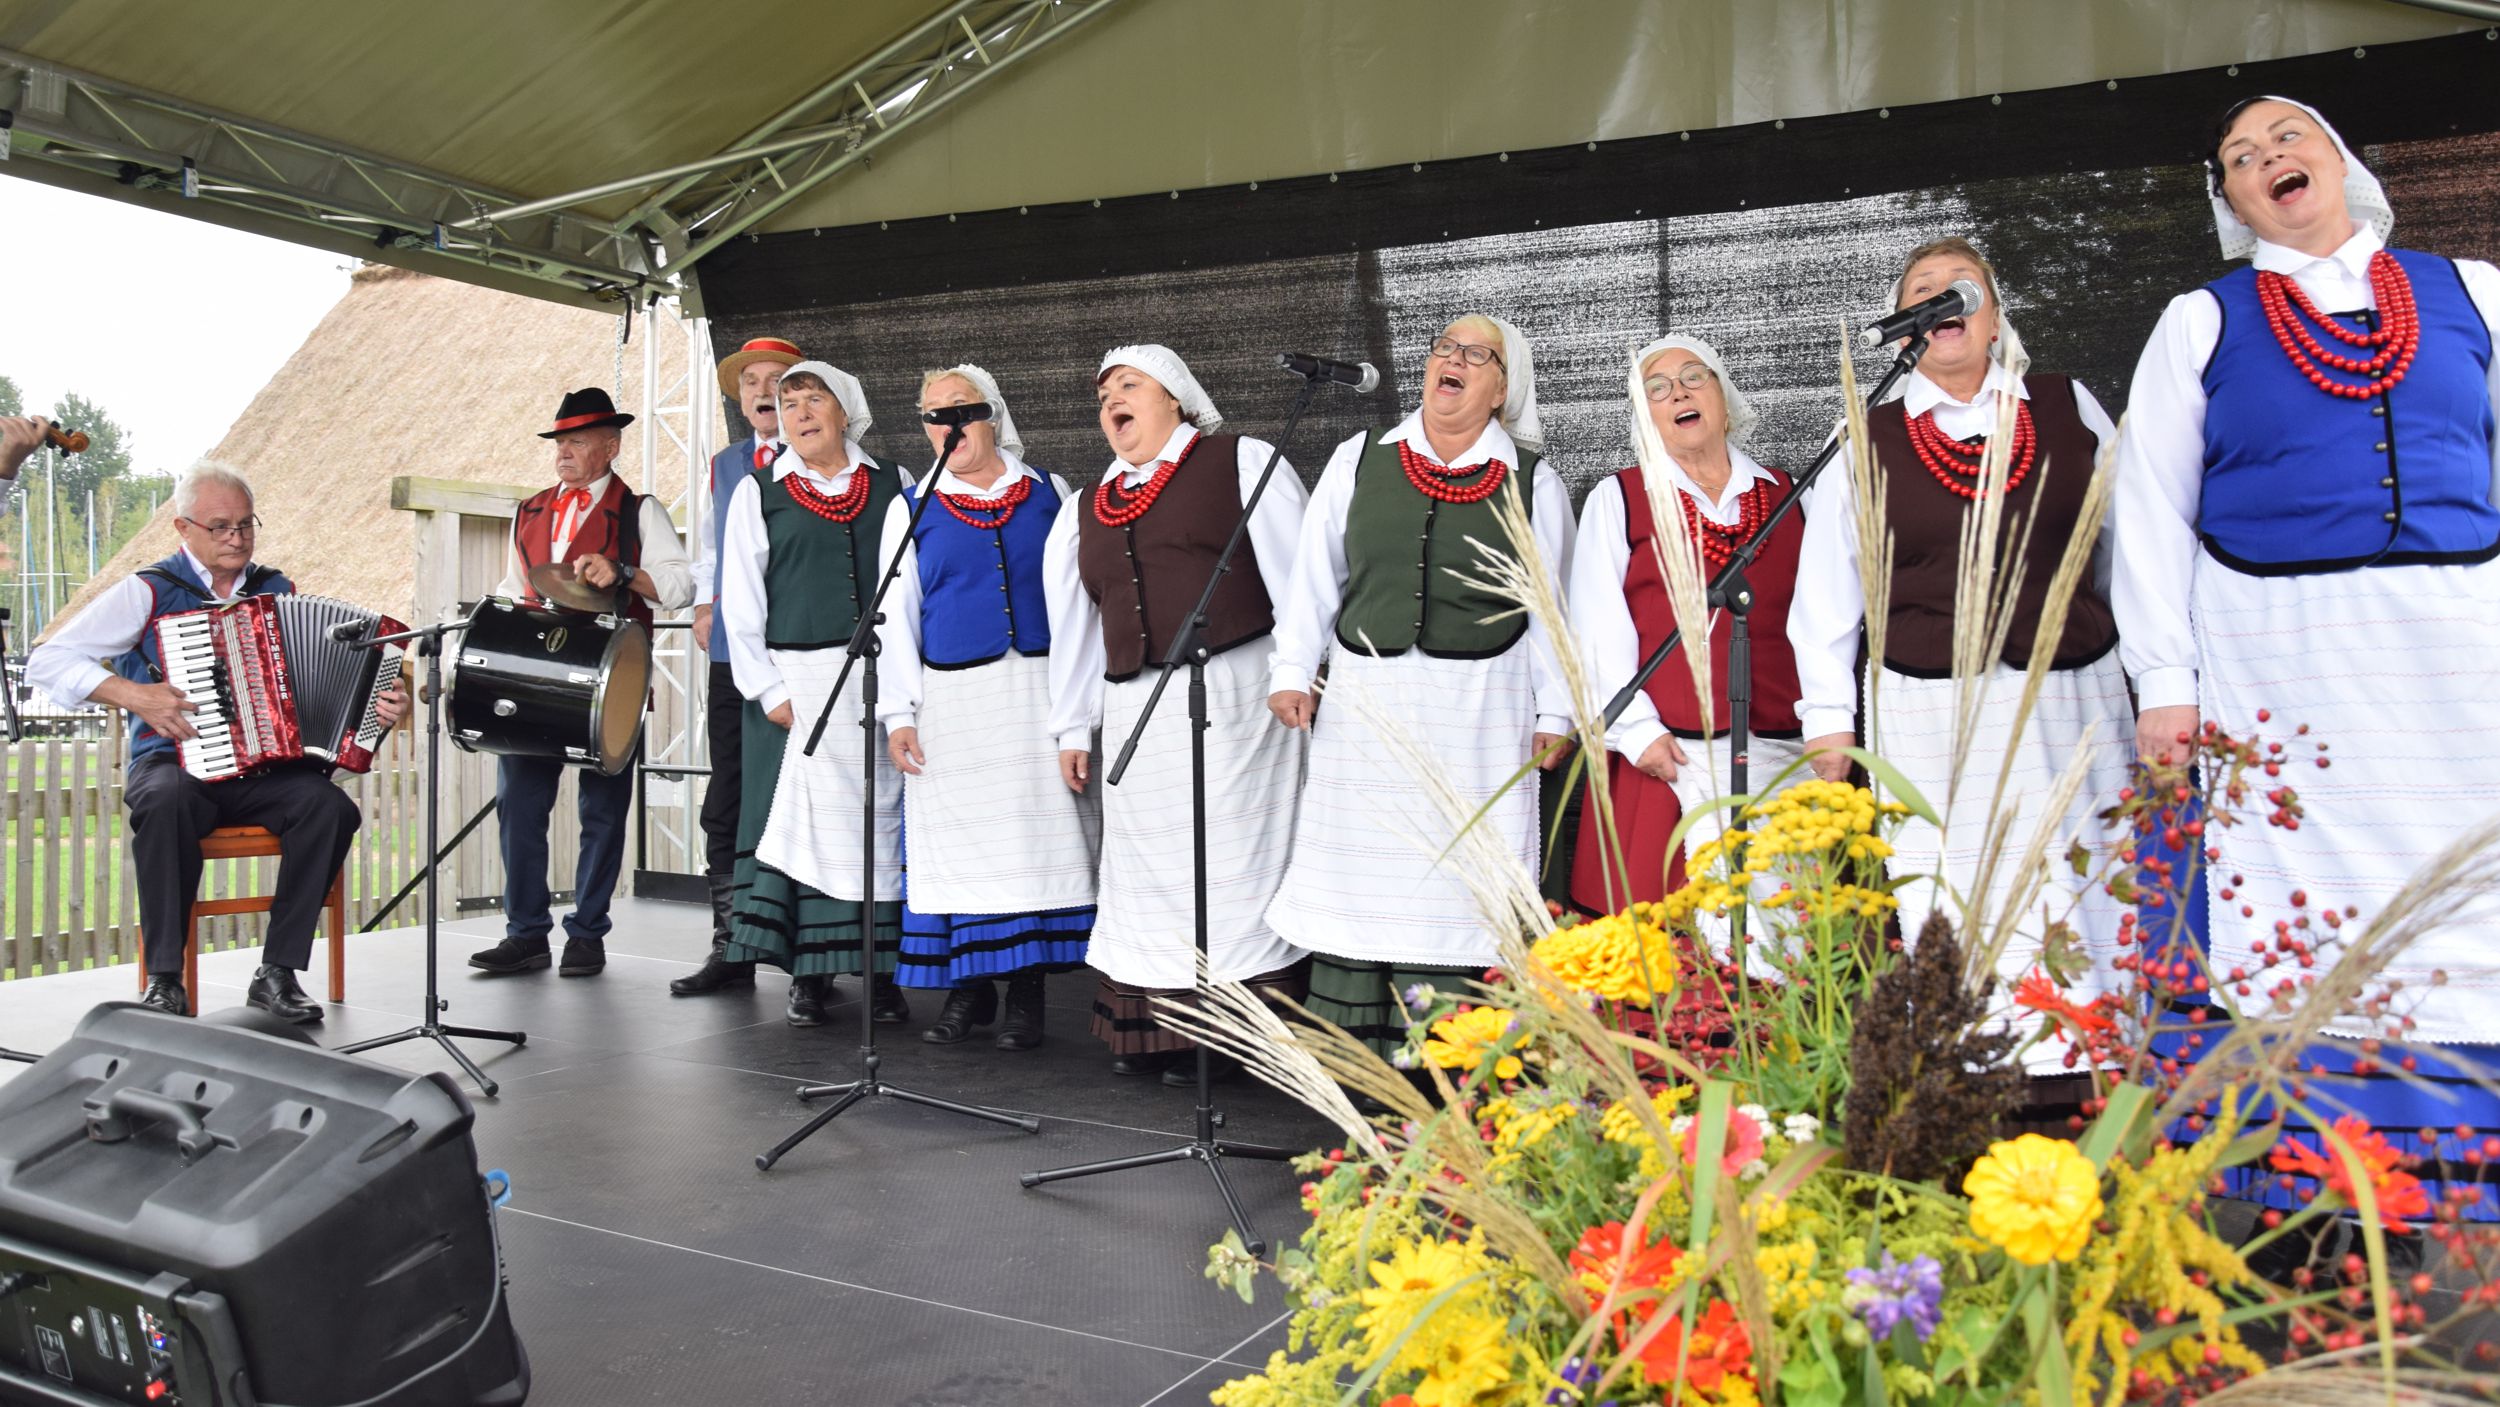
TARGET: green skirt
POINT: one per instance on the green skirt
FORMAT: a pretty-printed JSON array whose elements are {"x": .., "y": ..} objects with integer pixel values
[
  {"x": 776, "y": 920},
  {"x": 1366, "y": 999}
]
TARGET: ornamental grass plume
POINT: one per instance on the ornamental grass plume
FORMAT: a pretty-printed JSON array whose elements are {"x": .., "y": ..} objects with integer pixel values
[{"x": 1927, "y": 1080}]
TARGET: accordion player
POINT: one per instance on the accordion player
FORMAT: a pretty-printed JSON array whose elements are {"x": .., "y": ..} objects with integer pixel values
[{"x": 277, "y": 678}]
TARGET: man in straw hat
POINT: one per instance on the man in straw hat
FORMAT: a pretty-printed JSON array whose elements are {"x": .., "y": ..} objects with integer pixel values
[
  {"x": 747, "y": 374},
  {"x": 613, "y": 537}
]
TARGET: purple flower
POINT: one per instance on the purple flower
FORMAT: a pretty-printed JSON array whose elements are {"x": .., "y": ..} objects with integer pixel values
[
  {"x": 1895, "y": 1291},
  {"x": 1420, "y": 997}
]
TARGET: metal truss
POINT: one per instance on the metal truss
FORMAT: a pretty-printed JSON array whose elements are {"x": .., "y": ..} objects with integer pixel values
[{"x": 109, "y": 138}]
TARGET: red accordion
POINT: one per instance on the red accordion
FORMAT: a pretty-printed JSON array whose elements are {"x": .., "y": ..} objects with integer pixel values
[{"x": 277, "y": 678}]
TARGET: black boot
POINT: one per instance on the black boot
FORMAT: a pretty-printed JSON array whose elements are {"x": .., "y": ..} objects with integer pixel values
[
  {"x": 1022, "y": 1028},
  {"x": 583, "y": 957},
  {"x": 512, "y": 955},
  {"x": 717, "y": 973},
  {"x": 970, "y": 1004},
  {"x": 165, "y": 994},
  {"x": 886, "y": 1003},
  {"x": 275, "y": 990},
  {"x": 807, "y": 1001}
]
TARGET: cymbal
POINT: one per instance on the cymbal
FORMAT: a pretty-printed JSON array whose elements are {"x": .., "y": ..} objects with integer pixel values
[{"x": 559, "y": 585}]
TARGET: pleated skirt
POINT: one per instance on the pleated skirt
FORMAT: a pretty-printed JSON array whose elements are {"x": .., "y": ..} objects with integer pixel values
[{"x": 799, "y": 834}]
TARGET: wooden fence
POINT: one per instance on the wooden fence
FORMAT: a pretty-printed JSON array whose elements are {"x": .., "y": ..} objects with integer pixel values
[{"x": 70, "y": 901}]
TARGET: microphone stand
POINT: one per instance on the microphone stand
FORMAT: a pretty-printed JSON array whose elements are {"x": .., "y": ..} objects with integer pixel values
[
  {"x": 1190, "y": 645},
  {"x": 863, "y": 651},
  {"x": 429, "y": 641},
  {"x": 1731, "y": 592}
]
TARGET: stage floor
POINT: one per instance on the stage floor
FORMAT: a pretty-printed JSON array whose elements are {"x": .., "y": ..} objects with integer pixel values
[{"x": 890, "y": 1261}]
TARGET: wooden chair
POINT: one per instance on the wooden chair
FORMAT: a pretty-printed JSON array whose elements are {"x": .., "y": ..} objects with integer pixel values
[{"x": 248, "y": 842}]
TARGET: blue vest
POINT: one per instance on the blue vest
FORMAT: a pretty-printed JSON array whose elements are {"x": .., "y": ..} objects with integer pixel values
[
  {"x": 2300, "y": 482},
  {"x": 176, "y": 588},
  {"x": 730, "y": 468},
  {"x": 981, "y": 591}
]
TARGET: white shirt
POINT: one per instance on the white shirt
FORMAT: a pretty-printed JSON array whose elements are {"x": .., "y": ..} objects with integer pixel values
[
  {"x": 2161, "y": 464},
  {"x": 663, "y": 556},
  {"x": 1306, "y": 615},
  {"x": 898, "y": 635},
  {"x": 65, "y": 667},
  {"x": 745, "y": 550},
  {"x": 1600, "y": 615},
  {"x": 705, "y": 567},
  {"x": 1828, "y": 615},
  {"x": 1076, "y": 653}
]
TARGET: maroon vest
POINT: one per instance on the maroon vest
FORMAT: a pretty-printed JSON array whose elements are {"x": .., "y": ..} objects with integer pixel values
[
  {"x": 613, "y": 529},
  {"x": 1773, "y": 576},
  {"x": 1143, "y": 578},
  {"x": 1926, "y": 524}
]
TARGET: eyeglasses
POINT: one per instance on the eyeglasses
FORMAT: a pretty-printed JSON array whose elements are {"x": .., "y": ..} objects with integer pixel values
[
  {"x": 1468, "y": 352},
  {"x": 1694, "y": 376},
  {"x": 221, "y": 531}
]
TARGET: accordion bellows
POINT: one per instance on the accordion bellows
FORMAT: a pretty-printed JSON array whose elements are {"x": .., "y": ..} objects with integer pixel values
[{"x": 275, "y": 683}]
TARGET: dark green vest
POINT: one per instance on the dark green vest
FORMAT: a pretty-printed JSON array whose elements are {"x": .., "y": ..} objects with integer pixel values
[
  {"x": 819, "y": 571},
  {"x": 1400, "y": 548}
]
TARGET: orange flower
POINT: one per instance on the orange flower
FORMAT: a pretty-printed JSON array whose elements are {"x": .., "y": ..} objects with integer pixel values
[
  {"x": 1607, "y": 1253},
  {"x": 2041, "y": 995},
  {"x": 1720, "y": 1350},
  {"x": 2400, "y": 1194}
]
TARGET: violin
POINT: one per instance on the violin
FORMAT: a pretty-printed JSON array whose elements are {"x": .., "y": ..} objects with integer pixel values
[{"x": 67, "y": 441}]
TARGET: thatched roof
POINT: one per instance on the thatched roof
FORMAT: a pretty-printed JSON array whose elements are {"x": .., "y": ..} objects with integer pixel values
[{"x": 416, "y": 375}]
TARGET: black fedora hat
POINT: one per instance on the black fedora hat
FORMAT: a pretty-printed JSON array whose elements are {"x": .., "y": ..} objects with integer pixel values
[{"x": 586, "y": 409}]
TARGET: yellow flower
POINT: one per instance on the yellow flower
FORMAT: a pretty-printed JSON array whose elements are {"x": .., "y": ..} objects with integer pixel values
[
  {"x": 1619, "y": 1124},
  {"x": 1403, "y": 1284},
  {"x": 1788, "y": 1273},
  {"x": 1625, "y": 957},
  {"x": 2034, "y": 1196},
  {"x": 1467, "y": 1361},
  {"x": 1516, "y": 1129},
  {"x": 1461, "y": 1042}
]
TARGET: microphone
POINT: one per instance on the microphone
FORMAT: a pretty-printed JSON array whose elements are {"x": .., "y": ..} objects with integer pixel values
[
  {"x": 957, "y": 416},
  {"x": 1362, "y": 376},
  {"x": 347, "y": 630},
  {"x": 1962, "y": 300}
]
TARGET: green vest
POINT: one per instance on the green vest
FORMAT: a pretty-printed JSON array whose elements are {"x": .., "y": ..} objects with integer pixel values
[
  {"x": 1400, "y": 548},
  {"x": 819, "y": 572}
]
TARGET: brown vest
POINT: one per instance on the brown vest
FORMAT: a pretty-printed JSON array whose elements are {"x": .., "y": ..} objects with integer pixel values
[
  {"x": 1144, "y": 578},
  {"x": 612, "y": 528},
  {"x": 1926, "y": 524}
]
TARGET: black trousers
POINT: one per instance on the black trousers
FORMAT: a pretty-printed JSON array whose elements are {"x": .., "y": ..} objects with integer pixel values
[
  {"x": 722, "y": 709},
  {"x": 170, "y": 810}
]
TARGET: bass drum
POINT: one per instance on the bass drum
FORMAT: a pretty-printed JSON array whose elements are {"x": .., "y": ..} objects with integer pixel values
[{"x": 566, "y": 685}]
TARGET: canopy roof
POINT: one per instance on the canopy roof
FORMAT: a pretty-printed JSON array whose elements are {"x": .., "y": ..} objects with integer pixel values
[{"x": 597, "y": 149}]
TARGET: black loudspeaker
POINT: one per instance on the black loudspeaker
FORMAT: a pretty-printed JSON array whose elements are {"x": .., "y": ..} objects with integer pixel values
[{"x": 203, "y": 1214}]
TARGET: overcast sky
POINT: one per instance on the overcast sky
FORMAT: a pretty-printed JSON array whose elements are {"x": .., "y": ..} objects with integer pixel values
[{"x": 169, "y": 324}]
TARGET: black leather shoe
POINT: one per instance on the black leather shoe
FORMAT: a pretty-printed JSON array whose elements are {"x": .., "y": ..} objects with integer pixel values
[
  {"x": 966, "y": 1006},
  {"x": 887, "y": 1006},
  {"x": 275, "y": 990},
  {"x": 165, "y": 993},
  {"x": 512, "y": 955},
  {"x": 807, "y": 1001},
  {"x": 717, "y": 973},
  {"x": 1185, "y": 1074},
  {"x": 1150, "y": 1062},
  {"x": 1022, "y": 1027},
  {"x": 583, "y": 957}
]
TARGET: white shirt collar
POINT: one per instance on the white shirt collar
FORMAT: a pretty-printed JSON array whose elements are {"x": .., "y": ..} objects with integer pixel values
[
  {"x": 1016, "y": 469},
  {"x": 1743, "y": 471},
  {"x": 597, "y": 488},
  {"x": 208, "y": 578},
  {"x": 1921, "y": 395},
  {"x": 1172, "y": 447},
  {"x": 1494, "y": 443},
  {"x": 2353, "y": 255},
  {"x": 790, "y": 462}
]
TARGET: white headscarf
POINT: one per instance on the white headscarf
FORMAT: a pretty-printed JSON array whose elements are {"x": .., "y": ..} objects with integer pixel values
[
  {"x": 1741, "y": 416},
  {"x": 855, "y": 416},
  {"x": 2364, "y": 199},
  {"x": 1519, "y": 406},
  {"x": 1166, "y": 366},
  {"x": 985, "y": 386}
]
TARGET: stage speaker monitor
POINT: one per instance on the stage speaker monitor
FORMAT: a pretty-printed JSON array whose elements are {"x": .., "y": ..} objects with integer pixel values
[{"x": 200, "y": 1214}]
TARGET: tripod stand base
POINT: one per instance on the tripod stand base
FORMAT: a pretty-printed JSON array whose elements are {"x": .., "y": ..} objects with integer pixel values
[
  {"x": 870, "y": 1087},
  {"x": 441, "y": 1035},
  {"x": 1210, "y": 1151}
]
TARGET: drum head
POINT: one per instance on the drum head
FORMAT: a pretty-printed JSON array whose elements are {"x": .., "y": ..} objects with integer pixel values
[{"x": 626, "y": 687}]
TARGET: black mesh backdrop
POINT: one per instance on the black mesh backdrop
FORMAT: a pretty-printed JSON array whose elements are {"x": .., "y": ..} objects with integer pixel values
[{"x": 1761, "y": 240}]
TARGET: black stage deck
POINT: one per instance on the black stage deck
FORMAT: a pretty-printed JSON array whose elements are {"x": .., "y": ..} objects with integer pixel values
[{"x": 891, "y": 1261}]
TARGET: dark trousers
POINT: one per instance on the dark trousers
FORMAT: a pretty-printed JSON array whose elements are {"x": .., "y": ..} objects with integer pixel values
[
  {"x": 170, "y": 810},
  {"x": 721, "y": 712},
  {"x": 525, "y": 796}
]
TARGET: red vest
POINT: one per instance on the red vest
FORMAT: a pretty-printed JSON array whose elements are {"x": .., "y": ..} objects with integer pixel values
[
  {"x": 612, "y": 528},
  {"x": 1773, "y": 575},
  {"x": 1144, "y": 578}
]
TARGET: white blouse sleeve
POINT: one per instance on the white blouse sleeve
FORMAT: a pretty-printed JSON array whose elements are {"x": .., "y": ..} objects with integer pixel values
[
  {"x": 1827, "y": 616},
  {"x": 1550, "y": 520},
  {"x": 1610, "y": 642},
  {"x": 1076, "y": 657},
  {"x": 2161, "y": 483},
  {"x": 1276, "y": 528},
  {"x": 2104, "y": 433},
  {"x": 898, "y": 634},
  {"x": 1306, "y": 615},
  {"x": 744, "y": 552}
]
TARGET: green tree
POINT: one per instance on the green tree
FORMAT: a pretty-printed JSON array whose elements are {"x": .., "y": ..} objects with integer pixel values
[
  {"x": 107, "y": 456},
  {"x": 11, "y": 402}
]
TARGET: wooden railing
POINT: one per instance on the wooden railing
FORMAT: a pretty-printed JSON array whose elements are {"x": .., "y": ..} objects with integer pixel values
[{"x": 69, "y": 896}]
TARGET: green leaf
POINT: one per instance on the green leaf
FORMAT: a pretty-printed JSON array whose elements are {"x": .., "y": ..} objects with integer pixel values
[
  {"x": 1807, "y": 1382},
  {"x": 2109, "y": 1131},
  {"x": 2050, "y": 1372},
  {"x": 1871, "y": 1384},
  {"x": 1897, "y": 785},
  {"x": 2078, "y": 859}
]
